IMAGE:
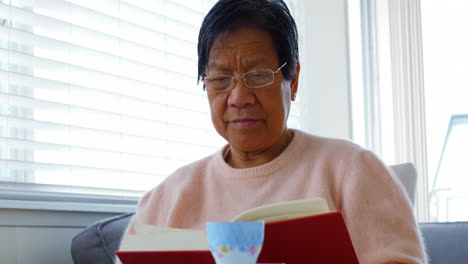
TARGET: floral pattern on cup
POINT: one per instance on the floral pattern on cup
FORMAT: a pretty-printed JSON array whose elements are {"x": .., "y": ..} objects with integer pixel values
[{"x": 252, "y": 250}]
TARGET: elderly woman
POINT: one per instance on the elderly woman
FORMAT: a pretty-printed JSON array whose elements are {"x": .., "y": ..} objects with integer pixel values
[{"x": 248, "y": 62}]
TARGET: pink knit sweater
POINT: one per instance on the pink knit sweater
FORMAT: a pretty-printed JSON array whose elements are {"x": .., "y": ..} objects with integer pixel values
[{"x": 376, "y": 209}]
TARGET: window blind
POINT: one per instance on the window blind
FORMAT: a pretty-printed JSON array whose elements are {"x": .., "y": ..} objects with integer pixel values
[{"x": 101, "y": 94}]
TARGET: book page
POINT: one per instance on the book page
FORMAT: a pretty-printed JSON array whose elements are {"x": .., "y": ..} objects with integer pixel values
[
  {"x": 171, "y": 241},
  {"x": 284, "y": 210},
  {"x": 142, "y": 229},
  {"x": 159, "y": 238}
]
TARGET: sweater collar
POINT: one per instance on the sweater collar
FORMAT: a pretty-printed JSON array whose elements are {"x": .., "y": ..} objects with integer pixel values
[{"x": 294, "y": 147}]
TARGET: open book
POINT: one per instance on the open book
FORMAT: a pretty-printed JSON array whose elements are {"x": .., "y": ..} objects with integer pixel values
[{"x": 295, "y": 232}]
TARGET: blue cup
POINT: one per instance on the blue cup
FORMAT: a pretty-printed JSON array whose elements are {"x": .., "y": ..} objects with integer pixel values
[{"x": 235, "y": 242}]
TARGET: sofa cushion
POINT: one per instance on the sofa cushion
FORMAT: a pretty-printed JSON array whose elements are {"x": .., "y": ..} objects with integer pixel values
[
  {"x": 446, "y": 243},
  {"x": 97, "y": 243},
  {"x": 407, "y": 174}
]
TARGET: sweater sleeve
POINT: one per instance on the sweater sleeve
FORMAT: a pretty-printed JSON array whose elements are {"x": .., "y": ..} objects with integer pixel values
[{"x": 378, "y": 214}]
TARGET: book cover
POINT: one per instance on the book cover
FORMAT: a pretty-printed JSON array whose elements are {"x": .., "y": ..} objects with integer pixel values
[{"x": 291, "y": 236}]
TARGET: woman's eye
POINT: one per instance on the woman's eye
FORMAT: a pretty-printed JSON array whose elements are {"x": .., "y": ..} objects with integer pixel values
[
  {"x": 221, "y": 79},
  {"x": 259, "y": 75}
]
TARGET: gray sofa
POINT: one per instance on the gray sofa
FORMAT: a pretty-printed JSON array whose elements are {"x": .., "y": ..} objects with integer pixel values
[{"x": 446, "y": 243}]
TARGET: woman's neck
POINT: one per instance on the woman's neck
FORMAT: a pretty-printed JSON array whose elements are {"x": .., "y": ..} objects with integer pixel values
[{"x": 240, "y": 159}]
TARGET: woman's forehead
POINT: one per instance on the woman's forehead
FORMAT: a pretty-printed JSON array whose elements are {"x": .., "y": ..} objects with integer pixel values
[
  {"x": 227, "y": 63},
  {"x": 246, "y": 46}
]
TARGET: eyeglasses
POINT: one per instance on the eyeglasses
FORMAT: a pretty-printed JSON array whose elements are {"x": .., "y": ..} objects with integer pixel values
[{"x": 252, "y": 79}]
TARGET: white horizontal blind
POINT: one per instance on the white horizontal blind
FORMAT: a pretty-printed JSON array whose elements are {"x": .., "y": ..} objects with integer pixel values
[{"x": 101, "y": 93}]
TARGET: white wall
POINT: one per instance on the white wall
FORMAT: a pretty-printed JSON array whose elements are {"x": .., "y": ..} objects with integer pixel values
[
  {"x": 324, "y": 93},
  {"x": 31, "y": 236}
]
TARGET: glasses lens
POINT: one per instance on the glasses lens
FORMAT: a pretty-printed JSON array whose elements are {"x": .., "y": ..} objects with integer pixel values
[
  {"x": 218, "y": 83},
  {"x": 258, "y": 78}
]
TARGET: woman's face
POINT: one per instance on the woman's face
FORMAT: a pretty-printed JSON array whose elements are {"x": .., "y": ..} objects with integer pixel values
[{"x": 250, "y": 119}]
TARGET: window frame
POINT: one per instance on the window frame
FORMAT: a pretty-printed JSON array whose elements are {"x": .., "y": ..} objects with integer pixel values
[{"x": 394, "y": 88}]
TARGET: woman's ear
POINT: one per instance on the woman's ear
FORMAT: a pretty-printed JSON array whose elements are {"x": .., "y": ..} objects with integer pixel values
[{"x": 295, "y": 81}]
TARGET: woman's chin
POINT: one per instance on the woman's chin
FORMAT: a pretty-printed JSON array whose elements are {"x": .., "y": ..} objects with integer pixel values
[{"x": 250, "y": 144}]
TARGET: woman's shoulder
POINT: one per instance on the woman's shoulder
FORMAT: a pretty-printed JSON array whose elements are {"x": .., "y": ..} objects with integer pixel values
[
  {"x": 329, "y": 145},
  {"x": 182, "y": 179},
  {"x": 325, "y": 152}
]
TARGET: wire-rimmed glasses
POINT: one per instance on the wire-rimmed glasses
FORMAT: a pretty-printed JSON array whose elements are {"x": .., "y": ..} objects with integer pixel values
[{"x": 252, "y": 79}]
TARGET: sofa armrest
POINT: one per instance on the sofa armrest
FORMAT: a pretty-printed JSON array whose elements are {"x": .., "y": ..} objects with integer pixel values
[{"x": 98, "y": 242}]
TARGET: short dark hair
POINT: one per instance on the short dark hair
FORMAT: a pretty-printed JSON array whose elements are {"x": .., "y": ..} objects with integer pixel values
[{"x": 272, "y": 16}]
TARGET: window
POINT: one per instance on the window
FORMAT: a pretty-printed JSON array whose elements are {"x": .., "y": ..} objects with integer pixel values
[
  {"x": 449, "y": 190},
  {"x": 101, "y": 97},
  {"x": 94, "y": 93},
  {"x": 414, "y": 60},
  {"x": 446, "y": 94}
]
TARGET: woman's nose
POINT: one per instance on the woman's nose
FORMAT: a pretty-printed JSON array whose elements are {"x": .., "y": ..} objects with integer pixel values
[{"x": 240, "y": 95}]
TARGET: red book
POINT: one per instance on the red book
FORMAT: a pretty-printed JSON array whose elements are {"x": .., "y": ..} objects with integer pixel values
[{"x": 317, "y": 239}]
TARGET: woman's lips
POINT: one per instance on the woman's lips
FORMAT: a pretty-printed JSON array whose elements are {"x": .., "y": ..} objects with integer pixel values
[{"x": 244, "y": 122}]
